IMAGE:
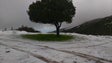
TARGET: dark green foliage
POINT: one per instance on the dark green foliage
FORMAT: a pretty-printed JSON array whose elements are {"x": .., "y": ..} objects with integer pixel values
[
  {"x": 52, "y": 12},
  {"x": 101, "y": 26},
  {"x": 25, "y": 28},
  {"x": 48, "y": 37}
]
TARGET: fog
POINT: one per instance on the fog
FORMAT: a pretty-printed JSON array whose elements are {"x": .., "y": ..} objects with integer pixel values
[
  {"x": 91, "y": 9},
  {"x": 13, "y": 13}
]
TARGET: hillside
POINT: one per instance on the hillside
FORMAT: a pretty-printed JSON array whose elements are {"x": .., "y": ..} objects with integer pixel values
[{"x": 100, "y": 26}]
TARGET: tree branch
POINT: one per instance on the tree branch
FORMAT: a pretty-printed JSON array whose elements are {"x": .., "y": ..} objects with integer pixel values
[{"x": 60, "y": 24}]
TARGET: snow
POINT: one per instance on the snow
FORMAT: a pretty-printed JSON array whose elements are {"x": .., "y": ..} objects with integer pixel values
[
  {"x": 15, "y": 56},
  {"x": 82, "y": 49}
]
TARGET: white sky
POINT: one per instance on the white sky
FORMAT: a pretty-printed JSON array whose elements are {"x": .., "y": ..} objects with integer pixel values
[{"x": 13, "y": 12}]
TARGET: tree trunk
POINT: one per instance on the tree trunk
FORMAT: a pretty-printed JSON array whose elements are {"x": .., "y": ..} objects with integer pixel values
[
  {"x": 58, "y": 31},
  {"x": 58, "y": 25}
]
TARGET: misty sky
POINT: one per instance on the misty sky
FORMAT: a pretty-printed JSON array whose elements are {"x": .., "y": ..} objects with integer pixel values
[{"x": 13, "y": 12}]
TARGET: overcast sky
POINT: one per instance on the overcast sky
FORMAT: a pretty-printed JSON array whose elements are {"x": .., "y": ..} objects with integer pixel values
[{"x": 13, "y": 12}]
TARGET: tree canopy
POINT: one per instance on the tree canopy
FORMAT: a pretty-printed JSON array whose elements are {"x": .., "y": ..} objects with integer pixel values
[{"x": 52, "y": 12}]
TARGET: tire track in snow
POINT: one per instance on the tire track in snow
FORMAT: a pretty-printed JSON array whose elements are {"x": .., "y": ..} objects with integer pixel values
[
  {"x": 89, "y": 57},
  {"x": 90, "y": 45},
  {"x": 32, "y": 54}
]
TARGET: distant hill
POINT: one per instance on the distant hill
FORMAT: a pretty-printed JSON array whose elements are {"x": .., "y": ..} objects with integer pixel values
[{"x": 100, "y": 26}]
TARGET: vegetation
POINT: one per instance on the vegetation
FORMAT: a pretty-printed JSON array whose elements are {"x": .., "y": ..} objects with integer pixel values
[
  {"x": 25, "y": 28},
  {"x": 101, "y": 26},
  {"x": 52, "y": 12},
  {"x": 48, "y": 37}
]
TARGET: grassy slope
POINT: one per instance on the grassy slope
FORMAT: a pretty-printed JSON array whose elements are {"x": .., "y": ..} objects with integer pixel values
[{"x": 48, "y": 37}]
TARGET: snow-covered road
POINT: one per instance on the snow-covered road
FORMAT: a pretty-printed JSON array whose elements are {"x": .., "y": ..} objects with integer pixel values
[{"x": 82, "y": 49}]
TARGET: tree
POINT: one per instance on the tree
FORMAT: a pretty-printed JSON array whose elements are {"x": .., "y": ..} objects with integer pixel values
[{"x": 52, "y": 12}]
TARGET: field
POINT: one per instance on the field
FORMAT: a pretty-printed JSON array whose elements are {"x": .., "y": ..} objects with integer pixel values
[{"x": 82, "y": 49}]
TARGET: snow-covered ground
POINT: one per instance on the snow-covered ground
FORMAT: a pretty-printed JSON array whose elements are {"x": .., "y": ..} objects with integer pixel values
[{"x": 82, "y": 49}]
